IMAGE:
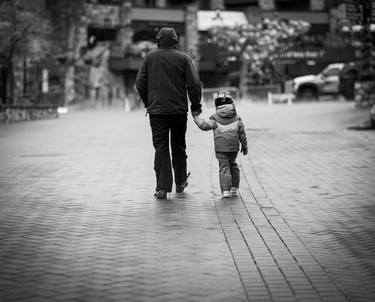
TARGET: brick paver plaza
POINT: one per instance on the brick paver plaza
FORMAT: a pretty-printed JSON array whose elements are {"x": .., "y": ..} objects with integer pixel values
[{"x": 78, "y": 221}]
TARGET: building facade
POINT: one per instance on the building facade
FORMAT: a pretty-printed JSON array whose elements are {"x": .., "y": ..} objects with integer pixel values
[
  {"x": 98, "y": 46},
  {"x": 103, "y": 43}
]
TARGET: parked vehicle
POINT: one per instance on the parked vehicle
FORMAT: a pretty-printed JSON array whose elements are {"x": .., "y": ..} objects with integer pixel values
[{"x": 310, "y": 87}]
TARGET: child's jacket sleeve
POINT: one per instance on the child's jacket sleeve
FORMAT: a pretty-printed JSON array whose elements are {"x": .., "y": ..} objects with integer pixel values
[
  {"x": 242, "y": 134},
  {"x": 203, "y": 124}
]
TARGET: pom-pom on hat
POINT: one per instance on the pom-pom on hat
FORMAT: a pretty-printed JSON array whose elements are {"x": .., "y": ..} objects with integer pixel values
[{"x": 223, "y": 97}]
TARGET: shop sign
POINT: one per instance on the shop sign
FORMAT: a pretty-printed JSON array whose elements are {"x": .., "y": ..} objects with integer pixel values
[
  {"x": 302, "y": 54},
  {"x": 313, "y": 56}
]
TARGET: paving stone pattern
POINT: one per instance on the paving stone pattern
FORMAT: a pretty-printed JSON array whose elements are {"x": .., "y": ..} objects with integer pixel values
[
  {"x": 78, "y": 221},
  {"x": 318, "y": 181}
]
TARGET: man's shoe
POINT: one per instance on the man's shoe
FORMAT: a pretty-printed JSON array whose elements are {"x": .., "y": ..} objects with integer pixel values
[
  {"x": 161, "y": 194},
  {"x": 180, "y": 188}
]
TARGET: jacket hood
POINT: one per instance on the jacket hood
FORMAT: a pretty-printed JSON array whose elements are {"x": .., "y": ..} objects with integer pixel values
[
  {"x": 167, "y": 38},
  {"x": 226, "y": 114}
]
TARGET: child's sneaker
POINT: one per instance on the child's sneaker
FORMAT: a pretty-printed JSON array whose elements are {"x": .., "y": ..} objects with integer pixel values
[
  {"x": 226, "y": 194},
  {"x": 234, "y": 191}
]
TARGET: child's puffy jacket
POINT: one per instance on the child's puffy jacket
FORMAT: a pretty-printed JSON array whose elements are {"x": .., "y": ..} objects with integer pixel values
[{"x": 227, "y": 126}]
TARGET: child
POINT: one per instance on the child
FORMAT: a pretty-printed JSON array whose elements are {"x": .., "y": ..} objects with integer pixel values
[{"x": 229, "y": 132}]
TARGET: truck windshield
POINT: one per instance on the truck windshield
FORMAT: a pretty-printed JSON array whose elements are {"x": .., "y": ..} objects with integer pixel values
[{"x": 328, "y": 72}]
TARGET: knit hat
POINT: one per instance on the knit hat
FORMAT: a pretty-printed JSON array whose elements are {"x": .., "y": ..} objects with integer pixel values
[{"x": 223, "y": 97}]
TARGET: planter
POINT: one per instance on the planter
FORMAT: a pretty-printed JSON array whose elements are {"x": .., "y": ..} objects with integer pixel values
[{"x": 11, "y": 114}]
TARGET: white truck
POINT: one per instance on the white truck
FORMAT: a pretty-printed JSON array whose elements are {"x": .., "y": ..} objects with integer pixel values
[{"x": 310, "y": 87}]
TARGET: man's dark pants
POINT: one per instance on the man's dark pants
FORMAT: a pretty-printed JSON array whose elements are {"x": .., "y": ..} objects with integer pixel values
[{"x": 162, "y": 126}]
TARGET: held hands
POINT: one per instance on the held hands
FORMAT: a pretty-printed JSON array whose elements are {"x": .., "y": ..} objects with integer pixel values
[
  {"x": 195, "y": 115},
  {"x": 244, "y": 150}
]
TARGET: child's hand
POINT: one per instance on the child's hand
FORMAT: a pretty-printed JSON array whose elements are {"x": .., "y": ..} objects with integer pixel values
[
  {"x": 244, "y": 150},
  {"x": 197, "y": 119},
  {"x": 195, "y": 113}
]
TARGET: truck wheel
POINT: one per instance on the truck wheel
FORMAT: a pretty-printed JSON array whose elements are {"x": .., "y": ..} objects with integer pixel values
[{"x": 308, "y": 94}]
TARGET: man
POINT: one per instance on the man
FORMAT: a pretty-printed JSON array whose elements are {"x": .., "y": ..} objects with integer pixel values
[{"x": 163, "y": 82}]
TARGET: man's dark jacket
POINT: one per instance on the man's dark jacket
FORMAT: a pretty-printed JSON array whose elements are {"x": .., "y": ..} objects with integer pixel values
[{"x": 165, "y": 77}]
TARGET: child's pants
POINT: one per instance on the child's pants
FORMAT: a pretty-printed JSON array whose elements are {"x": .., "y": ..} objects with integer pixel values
[{"x": 229, "y": 173}]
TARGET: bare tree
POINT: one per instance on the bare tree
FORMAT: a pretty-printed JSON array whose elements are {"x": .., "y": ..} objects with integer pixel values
[{"x": 23, "y": 34}]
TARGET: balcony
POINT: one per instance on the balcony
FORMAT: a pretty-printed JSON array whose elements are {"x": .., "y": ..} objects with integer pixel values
[
  {"x": 158, "y": 15},
  {"x": 120, "y": 60}
]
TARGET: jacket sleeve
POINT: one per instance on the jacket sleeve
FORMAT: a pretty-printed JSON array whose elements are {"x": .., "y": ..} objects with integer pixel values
[
  {"x": 242, "y": 134},
  {"x": 142, "y": 82},
  {"x": 193, "y": 86},
  {"x": 203, "y": 124}
]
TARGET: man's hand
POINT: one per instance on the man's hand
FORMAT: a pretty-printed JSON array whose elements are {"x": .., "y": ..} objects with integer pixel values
[{"x": 244, "y": 150}]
